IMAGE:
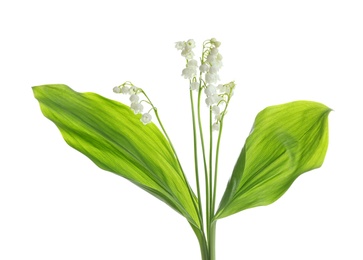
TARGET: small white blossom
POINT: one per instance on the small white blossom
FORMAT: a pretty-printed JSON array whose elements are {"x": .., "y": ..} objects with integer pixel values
[
  {"x": 217, "y": 64},
  {"x": 189, "y": 72},
  {"x": 137, "y": 107},
  {"x": 216, "y": 110},
  {"x": 180, "y": 45},
  {"x": 212, "y": 100},
  {"x": 134, "y": 98},
  {"x": 209, "y": 101},
  {"x": 211, "y": 58},
  {"x": 211, "y": 77},
  {"x": 190, "y": 44},
  {"x": 192, "y": 63},
  {"x": 221, "y": 88},
  {"x": 214, "y": 51},
  {"x": 125, "y": 90},
  {"x": 213, "y": 70},
  {"x": 116, "y": 90},
  {"x": 146, "y": 118},
  {"x": 204, "y": 68},
  {"x": 210, "y": 90},
  {"x": 194, "y": 85},
  {"x": 132, "y": 90},
  {"x": 215, "y": 42},
  {"x": 187, "y": 53},
  {"x": 215, "y": 126}
]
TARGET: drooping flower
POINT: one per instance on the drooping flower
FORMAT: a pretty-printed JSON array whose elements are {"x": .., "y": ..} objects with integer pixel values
[
  {"x": 213, "y": 70},
  {"x": 211, "y": 78},
  {"x": 146, "y": 118},
  {"x": 192, "y": 63},
  {"x": 204, "y": 68},
  {"x": 211, "y": 58},
  {"x": 216, "y": 110},
  {"x": 215, "y": 126},
  {"x": 117, "y": 90},
  {"x": 187, "y": 53},
  {"x": 215, "y": 42},
  {"x": 134, "y": 98},
  {"x": 214, "y": 51},
  {"x": 194, "y": 85},
  {"x": 189, "y": 72},
  {"x": 132, "y": 90},
  {"x": 210, "y": 90},
  {"x": 137, "y": 107},
  {"x": 212, "y": 100},
  {"x": 125, "y": 90},
  {"x": 180, "y": 45},
  {"x": 190, "y": 43}
]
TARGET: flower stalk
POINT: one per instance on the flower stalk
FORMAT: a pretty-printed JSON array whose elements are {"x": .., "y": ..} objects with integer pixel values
[{"x": 203, "y": 79}]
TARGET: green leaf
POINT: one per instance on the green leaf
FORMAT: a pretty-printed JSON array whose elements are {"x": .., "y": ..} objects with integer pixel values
[
  {"x": 113, "y": 137},
  {"x": 286, "y": 141}
]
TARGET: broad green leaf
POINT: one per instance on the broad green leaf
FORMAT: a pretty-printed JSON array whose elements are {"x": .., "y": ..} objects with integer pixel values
[
  {"x": 286, "y": 141},
  {"x": 113, "y": 137}
]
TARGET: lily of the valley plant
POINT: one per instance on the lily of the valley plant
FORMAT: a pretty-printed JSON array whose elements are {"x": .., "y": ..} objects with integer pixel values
[{"x": 286, "y": 140}]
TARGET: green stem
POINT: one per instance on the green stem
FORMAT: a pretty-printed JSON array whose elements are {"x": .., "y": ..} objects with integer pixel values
[
  {"x": 204, "y": 163},
  {"x": 165, "y": 133},
  {"x": 191, "y": 193},
  {"x": 202, "y": 243},
  {"x": 210, "y": 195},
  {"x": 212, "y": 241},
  {"x": 196, "y": 161},
  {"x": 216, "y": 167}
]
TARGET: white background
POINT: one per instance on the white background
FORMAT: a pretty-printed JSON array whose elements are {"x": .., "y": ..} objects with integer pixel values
[{"x": 55, "y": 204}]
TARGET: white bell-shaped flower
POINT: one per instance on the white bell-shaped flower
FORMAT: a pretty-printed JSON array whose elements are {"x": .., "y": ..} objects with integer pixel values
[
  {"x": 180, "y": 45},
  {"x": 137, "y": 107},
  {"x": 189, "y": 72},
  {"x": 214, "y": 51},
  {"x": 211, "y": 78},
  {"x": 211, "y": 58},
  {"x": 213, "y": 69},
  {"x": 132, "y": 90},
  {"x": 192, "y": 63},
  {"x": 216, "y": 110},
  {"x": 125, "y": 90},
  {"x": 190, "y": 44},
  {"x": 221, "y": 88},
  {"x": 210, "y": 90},
  {"x": 215, "y": 126},
  {"x": 215, "y": 42},
  {"x": 204, "y": 68},
  {"x": 187, "y": 53},
  {"x": 146, "y": 118},
  {"x": 212, "y": 100},
  {"x": 194, "y": 85},
  {"x": 117, "y": 90},
  {"x": 134, "y": 98}
]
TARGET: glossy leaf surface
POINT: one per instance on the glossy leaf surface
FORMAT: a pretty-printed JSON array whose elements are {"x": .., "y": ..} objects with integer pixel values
[
  {"x": 113, "y": 137},
  {"x": 286, "y": 141}
]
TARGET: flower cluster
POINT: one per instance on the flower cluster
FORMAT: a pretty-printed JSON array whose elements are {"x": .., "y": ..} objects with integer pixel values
[
  {"x": 217, "y": 97},
  {"x": 224, "y": 94},
  {"x": 201, "y": 77},
  {"x": 191, "y": 67},
  {"x": 136, "y": 105},
  {"x": 211, "y": 61}
]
